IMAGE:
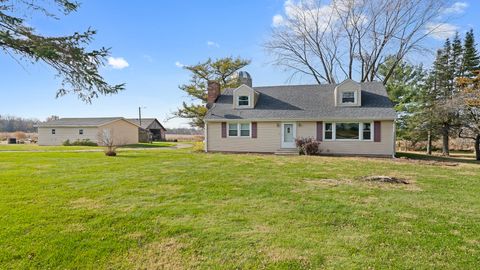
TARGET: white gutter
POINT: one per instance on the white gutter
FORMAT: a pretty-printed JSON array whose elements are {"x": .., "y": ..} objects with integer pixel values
[{"x": 298, "y": 119}]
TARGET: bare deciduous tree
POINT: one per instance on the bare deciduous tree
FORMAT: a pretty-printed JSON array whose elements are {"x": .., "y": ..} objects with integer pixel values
[
  {"x": 351, "y": 38},
  {"x": 107, "y": 139}
]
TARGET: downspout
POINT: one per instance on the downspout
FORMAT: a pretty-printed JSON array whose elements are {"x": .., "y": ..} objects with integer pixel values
[
  {"x": 394, "y": 138},
  {"x": 205, "y": 138}
]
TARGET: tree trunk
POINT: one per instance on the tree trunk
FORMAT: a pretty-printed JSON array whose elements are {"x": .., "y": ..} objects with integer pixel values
[
  {"x": 429, "y": 143},
  {"x": 445, "y": 149},
  {"x": 477, "y": 147}
]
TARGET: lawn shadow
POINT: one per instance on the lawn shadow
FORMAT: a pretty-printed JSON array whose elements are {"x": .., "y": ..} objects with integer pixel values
[
  {"x": 148, "y": 145},
  {"x": 457, "y": 159}
]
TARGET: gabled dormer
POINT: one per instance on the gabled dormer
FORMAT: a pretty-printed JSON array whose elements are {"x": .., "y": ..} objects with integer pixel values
[
  {"x": 244, "y": 97},
  {"x": 348, "y": 94}
]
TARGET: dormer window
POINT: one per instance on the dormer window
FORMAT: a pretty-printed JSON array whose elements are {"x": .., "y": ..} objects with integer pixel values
[
  {"x": 348, "y": 97},
  {"x": 243, "y": 101}
]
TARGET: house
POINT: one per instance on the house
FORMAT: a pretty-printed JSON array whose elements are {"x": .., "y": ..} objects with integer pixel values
[
  {"x": 56, "y": 132},
  {"x": 154, "y": 128},
  {"x": 349, "y": 118}
]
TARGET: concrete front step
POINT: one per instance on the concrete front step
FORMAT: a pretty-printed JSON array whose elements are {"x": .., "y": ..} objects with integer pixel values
[{"x": 287, "y": 152}]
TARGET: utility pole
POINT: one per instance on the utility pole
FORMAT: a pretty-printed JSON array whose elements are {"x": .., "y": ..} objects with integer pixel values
[{"x": 140, "y": 115}]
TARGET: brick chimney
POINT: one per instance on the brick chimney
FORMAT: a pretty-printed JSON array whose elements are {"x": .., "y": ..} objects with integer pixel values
[{"x": 213, "y": 91}]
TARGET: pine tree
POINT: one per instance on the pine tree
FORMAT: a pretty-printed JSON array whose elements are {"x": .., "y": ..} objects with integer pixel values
[
  {"x": 443, "y": 89},
  {"x": 471, "y": 58},
  {"x": 456, "y": 65},
  {"x": 219, "y": 70},
  {"x": 71, "y": 56}
]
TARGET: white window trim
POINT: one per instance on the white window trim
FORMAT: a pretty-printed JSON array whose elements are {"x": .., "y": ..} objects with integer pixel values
[
  {"x": 81, "y": 131},
  {"x": 239, "y": 129},
  {"x": 360, "y": 130},
  {"x": 238, "y": 101},
  {"x": 53, "y": 131}
]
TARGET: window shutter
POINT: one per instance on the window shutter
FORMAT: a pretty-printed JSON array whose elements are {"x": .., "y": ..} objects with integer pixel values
[
  {"x": 377, "y": 130},
  {"x": 319, "y": 131},
  {"x": 224, "y": 129},
  {"x": 254, "y": 129}
]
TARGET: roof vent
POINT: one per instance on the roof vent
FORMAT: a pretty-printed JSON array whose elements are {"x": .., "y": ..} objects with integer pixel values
[{"x": 244, "y": 77}]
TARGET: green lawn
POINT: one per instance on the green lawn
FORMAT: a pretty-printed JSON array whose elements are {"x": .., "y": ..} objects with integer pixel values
[
  {"x": 35, "y": 147},
  {"x": 173, "y": 209}
]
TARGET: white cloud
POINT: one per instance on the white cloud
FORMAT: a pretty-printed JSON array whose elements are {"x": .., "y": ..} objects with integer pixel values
[
  {"x": 441, "y": 30},
  {"x": 178, "y": 64},
  {"x": 213, "y": 44},
  {"x": 456, "y": 8},
  {"x": 316, "y": 15},
  {"x": 277, "y": 20},
  {"x": 117, "y": 62}
]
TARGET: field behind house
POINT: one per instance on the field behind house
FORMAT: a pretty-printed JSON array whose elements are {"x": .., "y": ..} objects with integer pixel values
[{"x": 175, "y": 209}]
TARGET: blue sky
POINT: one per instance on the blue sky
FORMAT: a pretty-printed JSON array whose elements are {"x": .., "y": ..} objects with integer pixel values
[{"x": 155, "y": 38}]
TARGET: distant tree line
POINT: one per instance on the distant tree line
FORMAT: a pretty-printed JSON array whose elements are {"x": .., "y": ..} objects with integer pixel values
[
  {"x": 12, "y": 124},
  {"x": 185, "y": 131},
  {"x": 442, "y": 102}
]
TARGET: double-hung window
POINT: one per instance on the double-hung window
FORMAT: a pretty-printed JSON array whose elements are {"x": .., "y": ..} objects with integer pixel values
[
  {"x": 243, "y": 101},
  {"x": 233, "y": 130},
  {"x": 53, "y": 131},
  {"x": 239, "y": 130},
  {"x": 348, "y": 97},
  {"x": 366, "y": 131},
  {"x": 328, "y": 131},
  {"x": 80, "y": 131}
]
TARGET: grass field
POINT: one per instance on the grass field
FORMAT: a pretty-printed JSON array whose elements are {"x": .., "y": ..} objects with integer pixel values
[
  {"x": 173, "y": 209},
  {"x": 35, "y": 147}
]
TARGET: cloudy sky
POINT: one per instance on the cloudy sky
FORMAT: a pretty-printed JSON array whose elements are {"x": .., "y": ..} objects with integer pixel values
[{"x": 152, "y": 40}]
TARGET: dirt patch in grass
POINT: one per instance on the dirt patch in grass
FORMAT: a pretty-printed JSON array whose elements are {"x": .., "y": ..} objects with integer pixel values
[
  {"x": 277, "y": 254},
  {"x": 386, "y": 179},
  {"x": 382, "y": 182},
  {"x": 86, "y": 203},
  {"x": 166, "y": 254},
  {"x": 328, "y": 182}
]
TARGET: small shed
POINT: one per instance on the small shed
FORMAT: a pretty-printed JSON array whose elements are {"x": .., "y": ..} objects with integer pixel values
[{"x": 153, "y": 126}]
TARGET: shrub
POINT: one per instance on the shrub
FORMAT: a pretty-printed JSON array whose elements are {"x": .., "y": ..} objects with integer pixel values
[
  {"x": 308, "y": 146},
  {"x": 66, "y": 143},
  {"x": 110, "y": 153},
  {"x": 198, "y": 147},
  {"x": 19, "y": 135}
]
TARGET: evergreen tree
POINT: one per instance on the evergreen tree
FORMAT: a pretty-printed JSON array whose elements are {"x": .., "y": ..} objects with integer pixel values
[
  {"x": 471, "y": 58},
  {"x": 402, "y": 87},
  {"x": 443, "y": 89},
  {"x": 456, "y": 61},
  {"x": 71, "y": 56},
  {"x": 220, "y": 70}
]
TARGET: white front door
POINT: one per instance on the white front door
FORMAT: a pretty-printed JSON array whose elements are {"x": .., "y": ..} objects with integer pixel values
[{"x": 288, "y": 135}]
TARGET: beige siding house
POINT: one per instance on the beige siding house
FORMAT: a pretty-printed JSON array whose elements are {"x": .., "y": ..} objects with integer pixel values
[
  {"x": 349, "y": 118},
  {"x": 58, "y": 131}
]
